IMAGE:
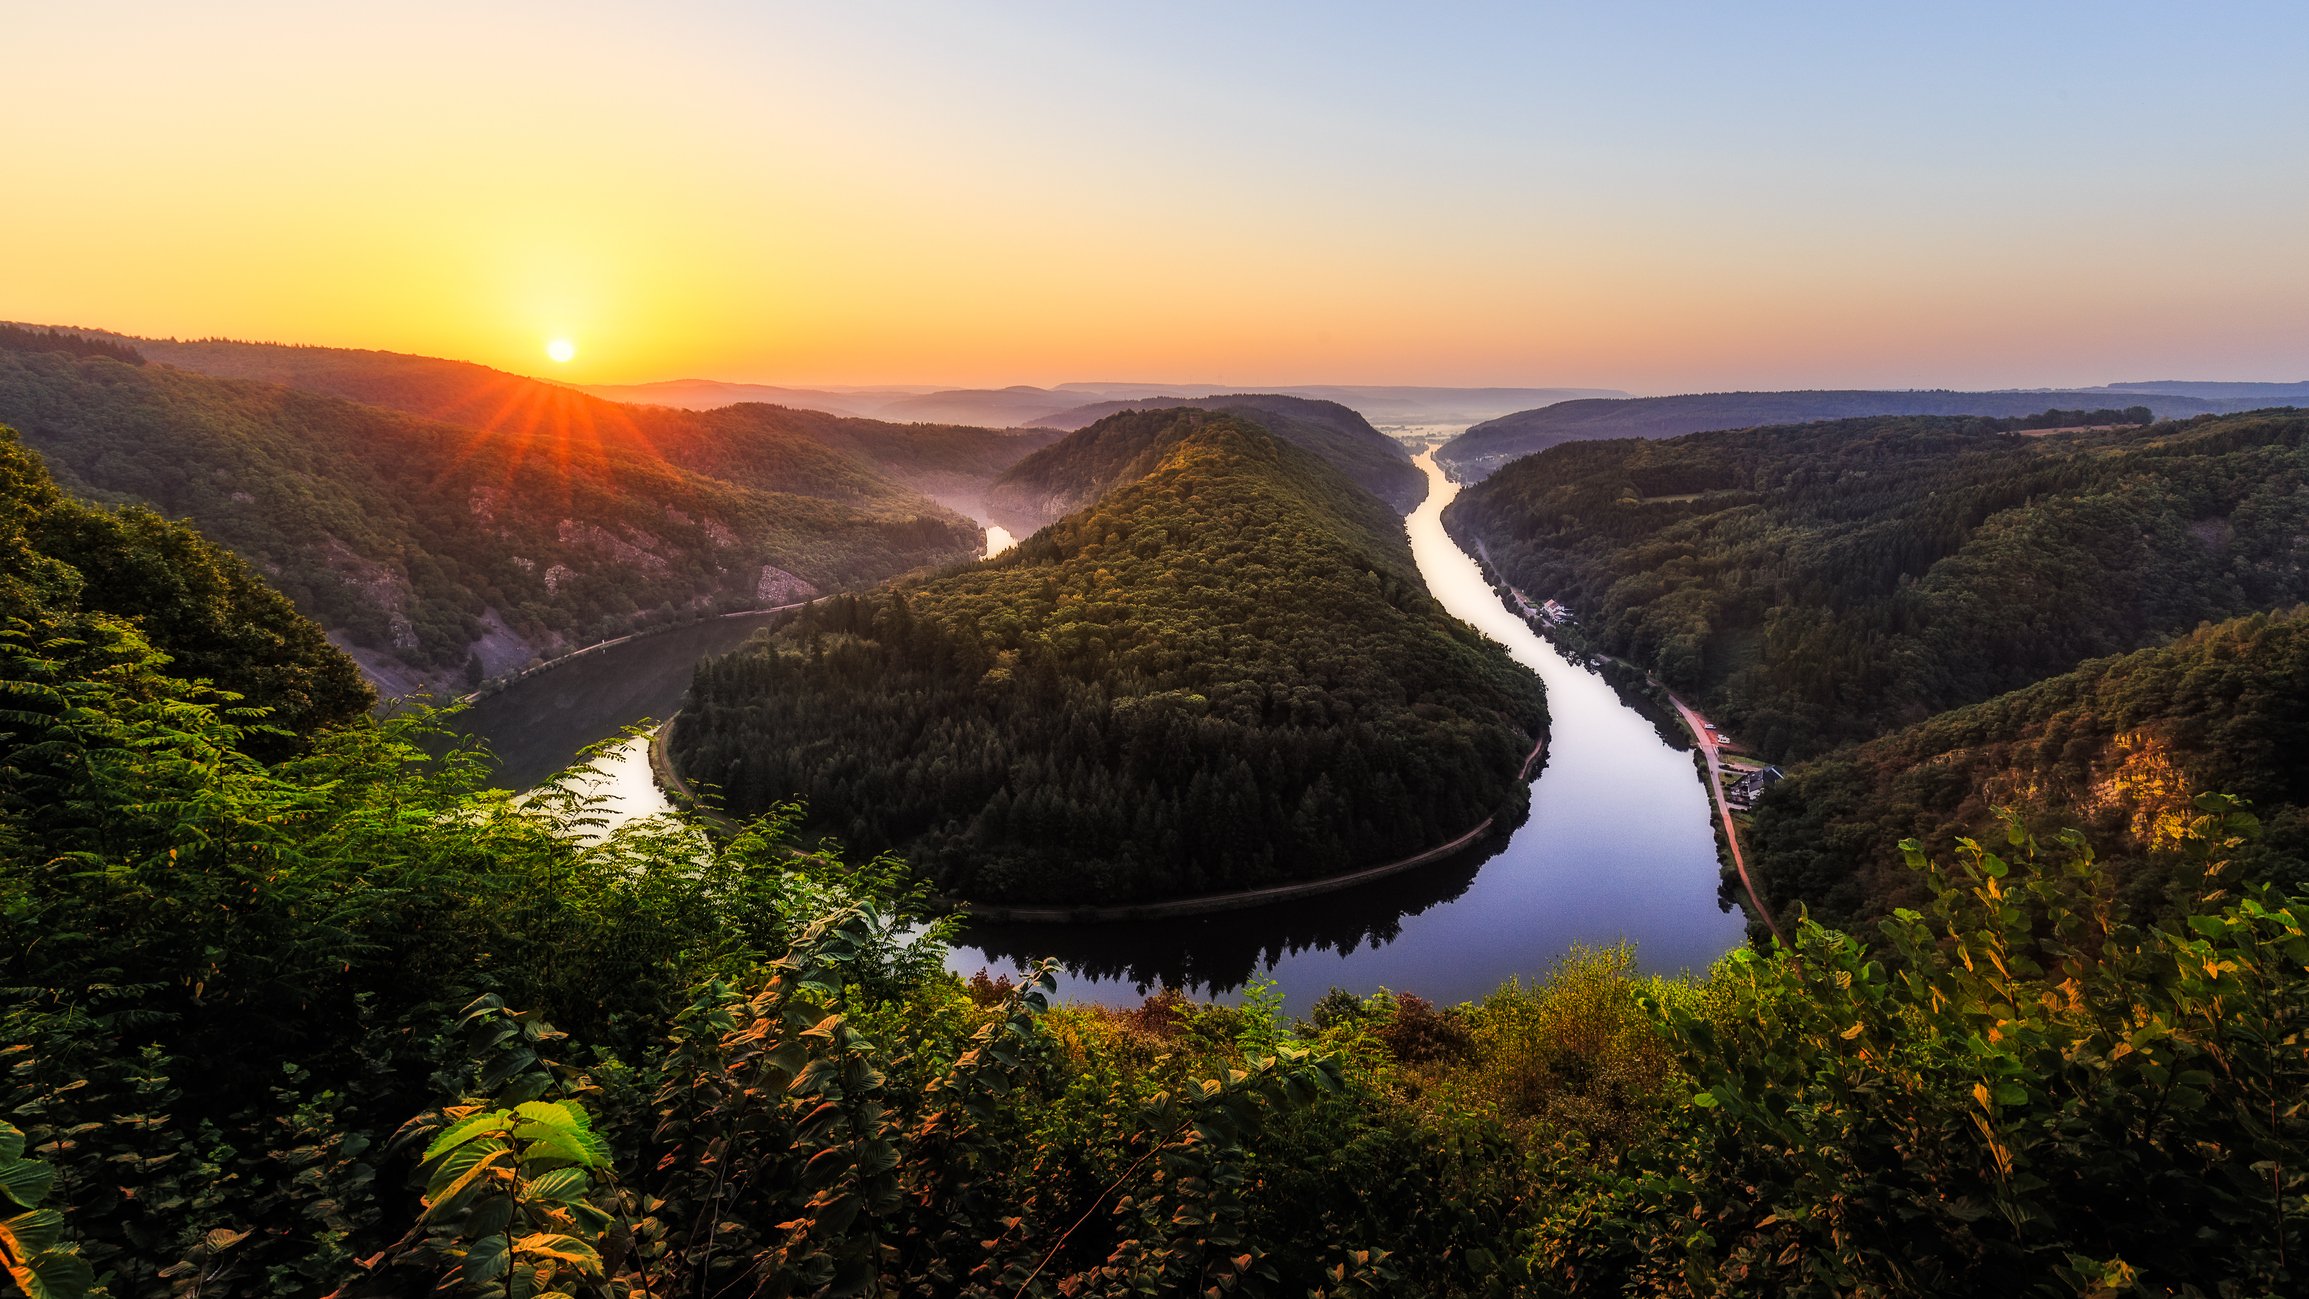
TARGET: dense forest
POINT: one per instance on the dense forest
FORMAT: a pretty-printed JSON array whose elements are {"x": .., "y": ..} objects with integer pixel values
[
  {"x": 343, "y": 1022},
  {"x": 1226, "y": 673},
  {"x": 2116, "y": 747},
  {"x": 1492, "y": 443},
  {"x": 78, "y": 574},
  {"x": 1049, "y": 486},
  {"x": 1822, "y": 584},
  {"x": 446, "y": 552}
]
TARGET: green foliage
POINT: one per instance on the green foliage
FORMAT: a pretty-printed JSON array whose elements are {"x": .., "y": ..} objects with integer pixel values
[
  {"x": 16, "y": 338},
  {"x": 1223, "y": 675},
  {"x": 33, "y": 1250},
  {"x": 1094, "y": 460},
  {"x": 66, "y": 568},
  {"x": 2115, "y": 748},
  {"x": 2026, "y": 1092},
  {"x": 1817, "y": 585}
]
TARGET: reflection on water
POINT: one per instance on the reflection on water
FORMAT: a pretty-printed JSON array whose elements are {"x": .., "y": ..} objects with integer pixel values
[
  {"x": 622, "y": 786},
  {"x": 538, "y": 725},
  {"x": 1618, "y": 846}
]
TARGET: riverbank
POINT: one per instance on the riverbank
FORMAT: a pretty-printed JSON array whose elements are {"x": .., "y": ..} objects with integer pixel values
[
  {"x": 1215, "y": 903},
  {"x": 678, "y": 788},
  {"x": 498, "y": 684},
  {"x": 1704, "y": 736}
]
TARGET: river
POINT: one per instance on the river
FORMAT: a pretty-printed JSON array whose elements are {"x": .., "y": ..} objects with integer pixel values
[{"x": 1618, "y": 846}]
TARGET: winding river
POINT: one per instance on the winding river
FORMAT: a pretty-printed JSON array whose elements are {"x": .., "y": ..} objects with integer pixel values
[{"x": 1618, "y": 845}]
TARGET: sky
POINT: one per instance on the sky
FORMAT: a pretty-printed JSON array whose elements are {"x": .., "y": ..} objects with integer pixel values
[{"x": 1653, "y": 197}]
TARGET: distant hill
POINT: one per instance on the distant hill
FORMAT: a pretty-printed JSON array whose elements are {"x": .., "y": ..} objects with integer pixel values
[
  {"x": 2116, "y": 748},
  {"x": 1821, "y": 584},
  {"x": 763, "y": 445},
  {"x": 709, "y": 394},
  {"x": 1070, "y": 406},
  {"x": 439, "y": 551},
  {"x": 1225, "y": 673},
  {"x": 65, "y": 563},
  {"x": 1086, "y": 464},
  {"x": 1481, "y": 449},
  {"x": 2260, "y": 394},
  {"x": 1391, "y": 406}
]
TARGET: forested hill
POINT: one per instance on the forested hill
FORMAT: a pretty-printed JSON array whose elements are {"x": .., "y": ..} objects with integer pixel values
[
  {"x": 2117, "y": 748},
  {"x": 1821, "y": 584},
  {"x": 443, "y": 553},
  {"x": 1063, "y": 478},
  {"x": 1486, "y": 446},
  {"x": 766, "y": 446},
  {"x": 1225, "y": 673},
  {"x": 67, "y": 566}
]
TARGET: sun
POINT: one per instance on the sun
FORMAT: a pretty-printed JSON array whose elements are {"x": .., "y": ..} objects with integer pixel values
[{"x": 561, "y": 350}]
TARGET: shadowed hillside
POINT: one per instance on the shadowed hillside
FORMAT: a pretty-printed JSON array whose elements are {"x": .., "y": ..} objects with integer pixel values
[
  {"x": 1483, "y": 448},
  {"x": 1223, "y": 674},
  {"x": 66, "y": 566},
  {"x": 443, "y": 552},
  {"x": 2117, "y": 748},
  {"x": 1820, "y": 584}
]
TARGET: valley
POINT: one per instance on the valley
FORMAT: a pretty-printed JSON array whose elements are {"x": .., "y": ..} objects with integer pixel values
[{"x": 1616, "y": 847}]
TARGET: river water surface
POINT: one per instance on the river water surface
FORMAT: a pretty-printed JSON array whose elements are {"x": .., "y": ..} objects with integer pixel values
[{"x": 1618, "y": 846}]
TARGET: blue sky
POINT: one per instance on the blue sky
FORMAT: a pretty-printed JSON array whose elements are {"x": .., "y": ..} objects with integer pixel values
[{"x": 1649, "y": 196}]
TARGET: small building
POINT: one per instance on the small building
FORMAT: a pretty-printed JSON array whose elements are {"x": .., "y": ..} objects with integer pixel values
[
  {"x": 1744, "y": 792},
  {"x": 1555, "y": 613}
]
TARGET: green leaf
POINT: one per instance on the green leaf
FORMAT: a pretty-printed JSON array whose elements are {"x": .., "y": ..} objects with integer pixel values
[
  {"x": 559, "y": 1114},
  {"x": 31, "y": 1233},
  {"x": 465, "y": 1129},
  {"x": 557, "y": 1184},
  {"x": 1705, "y": 1100},
  {"x": 26, "y": 1182},
  {"x": 53, "y": 1276},
  {"x": 561, "y": 1249},
  {"x": 42, "y": 1270},
  {"x": 485, "y": 1259}
]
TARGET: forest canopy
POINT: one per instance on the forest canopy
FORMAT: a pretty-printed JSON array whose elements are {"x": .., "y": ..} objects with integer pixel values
[
  {"x": 1821, "y": 584},
  {"x": 74, "y": 577},
  {"x": 1226, "y": 673},
  {"x": 2116, "y": 748},
  {"x": 1087, "y": 464}
]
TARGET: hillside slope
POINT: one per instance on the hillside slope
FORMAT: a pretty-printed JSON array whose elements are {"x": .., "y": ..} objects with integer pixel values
[
  {"x": 1821, "y": 584},
  {"x": 775, "y": 447},
  {"x": 1084, "y": 465},
  {"x": 1225, "y": 673},
  {"x": 63, "y": 563},
  {"x": 2116, "y": 748},
  {"x": 1481, "y": 449},
  {"x": 442, "y": 552}
]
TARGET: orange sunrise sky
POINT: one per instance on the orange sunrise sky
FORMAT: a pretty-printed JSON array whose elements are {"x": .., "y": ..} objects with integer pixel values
[{"x": 1649, "y": 197}]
